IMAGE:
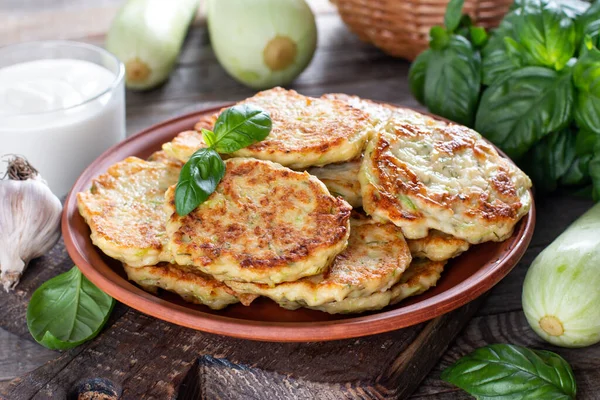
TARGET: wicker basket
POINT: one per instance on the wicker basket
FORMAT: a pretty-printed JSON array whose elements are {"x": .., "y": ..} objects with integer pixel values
[{"x": 401, "y": 27}]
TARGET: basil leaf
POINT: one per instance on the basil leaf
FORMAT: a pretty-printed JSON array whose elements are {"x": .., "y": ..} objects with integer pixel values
[
  {"x": 586, "y": 75},
  {"x": 588, "y": 23},
  {"x": 478, "y": 36},
  {"x": 496, "y": 62},
  {"x": 416, "y": 76},
  {"x": 239, "y": 126},
  {"x": 512, "y": 372},
  {"x": 594, "y": 169},
  {"x": 586, "y": 142},
  {"x": 453, "y": 14},
  {"x": 547, "y": 33},
  {"x": 578, "y": 173},
  {"x": 524, "y": 106},
  {"x": 438, "y": 38},
  {"x": 67, "y": 310},
  {"x": 198, "y": 179},
  {"x": 550, "y": 159},
  {"x": 453, "y": 79}
]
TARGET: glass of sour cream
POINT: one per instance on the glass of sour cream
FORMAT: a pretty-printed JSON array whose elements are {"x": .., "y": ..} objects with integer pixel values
[{"x": 62, "y": 104}]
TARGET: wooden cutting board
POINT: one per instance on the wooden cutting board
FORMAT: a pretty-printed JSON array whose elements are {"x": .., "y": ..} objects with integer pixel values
[{"x": 137, "y": 356}]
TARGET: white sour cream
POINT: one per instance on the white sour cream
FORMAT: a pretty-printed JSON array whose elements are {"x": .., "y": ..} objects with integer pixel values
[{"x": 60, "y": 114}]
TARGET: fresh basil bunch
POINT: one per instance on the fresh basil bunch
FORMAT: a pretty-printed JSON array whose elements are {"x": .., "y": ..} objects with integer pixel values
[
  {"x": 237, "y": 127},
  {"x": 532, "y": 87},
  {"x": 513, "y": 373},
  {"x": 447, "y": 76}
]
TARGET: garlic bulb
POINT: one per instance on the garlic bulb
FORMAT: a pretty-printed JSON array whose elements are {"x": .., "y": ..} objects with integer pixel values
[{"x": 29, "y": 220}]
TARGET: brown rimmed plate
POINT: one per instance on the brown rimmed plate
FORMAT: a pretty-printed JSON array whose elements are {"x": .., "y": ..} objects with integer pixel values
[{"x": 465, "y": 278}]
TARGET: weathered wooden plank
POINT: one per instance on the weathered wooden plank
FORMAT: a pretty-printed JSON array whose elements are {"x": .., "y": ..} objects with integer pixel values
[
  {"x": 135, "y": 349},
  {"x": 141, "y": 357},
  {"x": 19, "y": 356}
]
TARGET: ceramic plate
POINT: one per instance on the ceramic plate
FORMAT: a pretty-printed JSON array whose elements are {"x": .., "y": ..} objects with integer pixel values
[{"x": 464, "y": 279}]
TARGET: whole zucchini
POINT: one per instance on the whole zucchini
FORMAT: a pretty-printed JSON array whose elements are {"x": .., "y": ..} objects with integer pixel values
[
  {"x": 146, "y": 35},
  {"x": 561, "y": 292}
]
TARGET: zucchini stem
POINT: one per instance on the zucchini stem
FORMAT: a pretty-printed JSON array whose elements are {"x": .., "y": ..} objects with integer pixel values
[
  {"x": 137, "y": 71},
  {"x": 552, "y": 325}
]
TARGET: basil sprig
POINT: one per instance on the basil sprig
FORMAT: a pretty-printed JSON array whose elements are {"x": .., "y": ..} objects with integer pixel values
[
  {"x": 237, "y": 127},
  {"x": 512, "y": 373},
  {"x": 67, "y": 310}
]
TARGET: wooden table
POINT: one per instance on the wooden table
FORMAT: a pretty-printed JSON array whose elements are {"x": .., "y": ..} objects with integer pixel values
[{"x": 341, "y": 64}]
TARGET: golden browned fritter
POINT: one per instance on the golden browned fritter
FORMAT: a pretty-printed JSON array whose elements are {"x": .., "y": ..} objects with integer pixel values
[
  {"x": 190, "y": 284},
  {"x": 184, "y": 145},
  {"x": 125, "y": 210},
  {"x": 380, "y": 113},
  {"x": 341, "y": 180},
  {"x": 264, "y": 223},
  {"x": 442, "y": 177},
  {"x": 421, "y": 275},
  {"x": 437, "y": 246},
  {"x": 421, "y": 174},
  {"x": 306, "y": 131},
  {"x": 374, "y": 260},
  {"x": 162, "y": 157}
]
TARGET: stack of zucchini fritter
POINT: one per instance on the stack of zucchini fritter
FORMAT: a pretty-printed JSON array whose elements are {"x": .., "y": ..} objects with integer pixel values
[{"x": 281, "y": 223}]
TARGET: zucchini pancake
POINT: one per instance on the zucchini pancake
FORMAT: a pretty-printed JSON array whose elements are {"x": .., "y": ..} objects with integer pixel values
[
  {"x": 125, "y": 210},
  {"x": 374, "y": 261},
  {"x": 252, "y": 230},
  {"x": 306, "y": 131},
  {"x": 189, "y": 283},
  {"x": 280, "y": 223},
  {"x": 341, "y": 180},
  {"x": 444, "y": 178},
  {"x": 421, "y": 174},
  {"x": 420, "y": 276}
]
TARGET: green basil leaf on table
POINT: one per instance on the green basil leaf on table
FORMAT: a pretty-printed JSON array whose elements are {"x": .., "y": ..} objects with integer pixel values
[
  {"x": 453, "y": 80},
  {"x": 524, "y": 106},
  {"x": 67, "y": 310},
  {"x": 550, "y": 159},
  {"x": 586, "y": 75},
  {"x": 438, "y": 38},
  {"x": 416, "y": 75},
  {"x": 453, "y": 14},
  {"x": 239, "y": 126},
  {"x": 198, "y": 179},
  {"x": 547, "y": 34},
  {"x": 512, "y": 372}
]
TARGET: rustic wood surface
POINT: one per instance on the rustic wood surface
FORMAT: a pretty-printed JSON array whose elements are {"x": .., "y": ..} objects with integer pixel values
[{"x": 139, "y": 356}]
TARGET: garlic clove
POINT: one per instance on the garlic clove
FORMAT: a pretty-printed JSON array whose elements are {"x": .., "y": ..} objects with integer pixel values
[{"x": 29, "y": 220}]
